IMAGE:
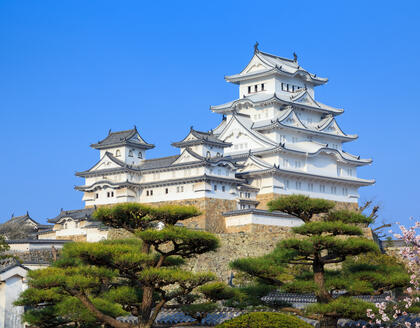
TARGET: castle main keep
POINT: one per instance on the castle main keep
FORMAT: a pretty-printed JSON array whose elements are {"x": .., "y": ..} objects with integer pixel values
[{"x": 274, "y": 139}]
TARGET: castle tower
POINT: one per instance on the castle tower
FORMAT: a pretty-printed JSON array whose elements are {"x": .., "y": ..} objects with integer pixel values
[{"x": 296, "y": 142}]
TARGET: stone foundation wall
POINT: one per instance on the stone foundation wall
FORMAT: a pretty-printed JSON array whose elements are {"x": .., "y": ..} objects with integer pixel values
[
  {"x": 234, "y": 246},
  {"x": 72, "y": 237},
  {"x": 211, "y": 218}
]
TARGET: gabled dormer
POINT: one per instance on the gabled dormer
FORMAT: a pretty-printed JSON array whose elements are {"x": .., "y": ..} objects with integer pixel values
[
  {"x": 205, "y": 144},
  {"x": 267, "y": 73},
  {"x": 127, "y": 146}
]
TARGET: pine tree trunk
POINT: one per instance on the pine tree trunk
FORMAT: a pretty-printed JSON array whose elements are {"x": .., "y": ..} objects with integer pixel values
[
  {"x": 146, "y": 307},
  {"x": 322, "y": 294},
  {"x": 328, "y": 322}
]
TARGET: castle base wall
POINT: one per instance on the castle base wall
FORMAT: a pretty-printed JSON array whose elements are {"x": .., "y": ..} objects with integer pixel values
[{"x": 211, "y": 218}]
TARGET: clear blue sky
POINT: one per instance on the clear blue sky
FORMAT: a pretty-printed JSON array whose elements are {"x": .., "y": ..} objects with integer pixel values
[{"x": 71, "y": 70}]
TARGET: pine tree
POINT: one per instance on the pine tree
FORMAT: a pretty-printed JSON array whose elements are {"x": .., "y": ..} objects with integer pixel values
[
  {"x": 4, "y": 247},
  {"x": 94, "y": 283},
  {"x": 328, "y": 253}
]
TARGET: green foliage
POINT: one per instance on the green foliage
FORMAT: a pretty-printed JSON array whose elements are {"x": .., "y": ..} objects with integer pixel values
[
  {"x": 4, "y": 247},
  {"x": 334, "y": 228},
  {"x": 184, "y": 242},
  {"x": 327, "y": 237},
  {"x": 93, "y": 283},
  {"x": 250, "y": 296},
  {"x": 347, "y": 216},
  {"x": 201, "y": 308},
  {"x": 268, "y": 269},
  {"x": 264, "y": 320},
  {"x": 217, "y": 290},
  {"x": 301, "y": 206},
  {"x": 134, "y": 216},
  {"x": 342, "y": 307}
]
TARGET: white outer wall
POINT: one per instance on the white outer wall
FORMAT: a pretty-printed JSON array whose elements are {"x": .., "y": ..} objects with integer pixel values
[
  {"x": 10, "y": 289},
  {"x": 251, "y": 218}
]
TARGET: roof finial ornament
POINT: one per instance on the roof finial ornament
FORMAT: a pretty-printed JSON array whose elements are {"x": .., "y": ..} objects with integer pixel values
[
  {"x": 13, "y": 215},
  {"x": 27, "y": 212},
  {"x": 295, "y": 57},
  {"x": 109, "y": 132},
  {"x": 135, "y": 128},
  {"x": 191, "y": 128},
  {"x": 256, "y": 50}
]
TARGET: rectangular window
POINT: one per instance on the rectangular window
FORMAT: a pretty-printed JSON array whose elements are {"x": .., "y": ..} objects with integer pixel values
[
  {"x": 310, "y": 186},
  {"x": 285, "y": 162},
  {"x": 223, "y": 188},
  {"x": 97, "y": 195},
  {"x": 256, "y": 87},
  {"x": 298, "y": 185},
  {"x": 293, "y": 88},
  {"x": 286, "y": 184},
  {"x": 282, "y": 86},
  {"x": 166, "y": 190},
  {"x": 262, "y": 86},
  {"x": 151, "y": 192},
  {"x": 107, "y": 194},
  {"x": 322, "y": 188},
  {"x": 345, "y": 192},
  {"x": 249, "y": 89},
  {"x": 147, "y": 192},
  {"x": 215, "y": 187},
  {"x": 333, "y": 190},
  {"x": 287, "y": 86},
  {"x": 112, "y": 194}
]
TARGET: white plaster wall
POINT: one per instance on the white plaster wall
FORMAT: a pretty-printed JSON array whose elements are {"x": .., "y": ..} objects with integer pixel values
[
  {"x": 251, "y": 218},
  {"x": 269, "y": 86},
  {"x": 292, "y": 81},
  {"x": 10, "y": 315}
]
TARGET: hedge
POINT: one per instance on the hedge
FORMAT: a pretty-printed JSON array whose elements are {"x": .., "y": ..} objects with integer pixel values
[{"x": 264, "y": 320}]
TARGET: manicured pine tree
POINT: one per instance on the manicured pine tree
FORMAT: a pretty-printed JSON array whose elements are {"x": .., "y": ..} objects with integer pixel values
[
  {"x": 4, "y": 247},
  {"x": 326, "y": 238},
  {"x": 94, "y": 283}
]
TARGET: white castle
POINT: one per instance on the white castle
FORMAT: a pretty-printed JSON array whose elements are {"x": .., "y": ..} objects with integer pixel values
[{"x": 274, "y": 140}]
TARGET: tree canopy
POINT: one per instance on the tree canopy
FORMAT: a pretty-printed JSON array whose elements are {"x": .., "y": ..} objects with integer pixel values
[
  {"x": 328, "y": 253},
  {"x": 94, "y": 283}
]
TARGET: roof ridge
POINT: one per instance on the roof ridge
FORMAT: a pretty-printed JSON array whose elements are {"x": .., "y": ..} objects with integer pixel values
[{"x": 275, "y": 56}]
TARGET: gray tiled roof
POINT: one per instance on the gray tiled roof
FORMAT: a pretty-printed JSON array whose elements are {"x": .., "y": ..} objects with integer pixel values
[
  {"x": 157, "y": 163},
  {"x": 21, "y": 227},
  {"x": 8, "y": 263},
  {"x": 84, "y": 213},
  {"x": 120, "y": 138},
  {"x": 202, "y": 138}
]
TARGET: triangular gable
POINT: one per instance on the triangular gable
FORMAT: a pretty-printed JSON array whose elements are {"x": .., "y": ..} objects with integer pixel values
[
  {"x": 254, "y": 164},
  {"x": 306, "y": 99},
  {"x": 187, "y": 156},
  {"x": 236, "y": 131},
  {"x": 136, "y": 138},
  {"x": 255, "y": 65},
  {"x": 292, "y": 120},
  {"x": 332, "y": 128},
  {"x": 189, "y": 137},
  {"x": 105, "y": 163}
]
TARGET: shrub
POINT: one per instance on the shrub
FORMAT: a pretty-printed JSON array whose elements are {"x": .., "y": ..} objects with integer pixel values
[{"x": 264, "y": 320}]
